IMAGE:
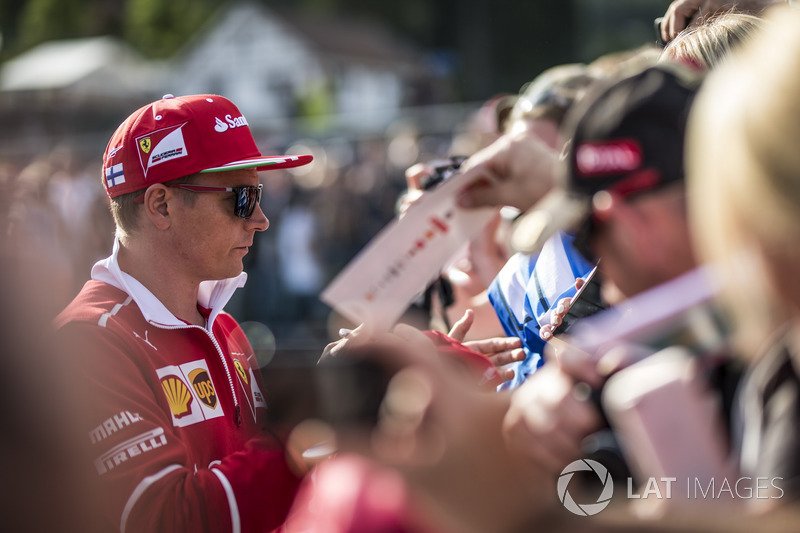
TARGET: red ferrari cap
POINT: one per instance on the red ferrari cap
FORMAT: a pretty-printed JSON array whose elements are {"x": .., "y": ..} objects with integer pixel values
[{"x": 178, "y": 136}]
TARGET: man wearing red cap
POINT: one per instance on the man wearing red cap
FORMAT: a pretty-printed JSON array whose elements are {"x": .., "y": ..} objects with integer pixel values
[{"x": 177, "y": 409}]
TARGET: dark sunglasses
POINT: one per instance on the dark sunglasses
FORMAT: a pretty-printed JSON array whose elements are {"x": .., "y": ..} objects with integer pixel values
[{"x": 246, "y": 197}]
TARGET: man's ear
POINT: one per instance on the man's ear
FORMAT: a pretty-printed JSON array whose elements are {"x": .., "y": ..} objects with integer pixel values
[{"x": 157, "y": 199}]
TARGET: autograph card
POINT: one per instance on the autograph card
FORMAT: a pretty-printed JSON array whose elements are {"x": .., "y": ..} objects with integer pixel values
[
  {"x": 679, "y": 312},
  {"x": 379, "y": 284}
]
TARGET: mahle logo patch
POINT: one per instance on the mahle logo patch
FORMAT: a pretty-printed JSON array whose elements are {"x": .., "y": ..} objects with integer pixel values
[{"x": 203, "y": 387}]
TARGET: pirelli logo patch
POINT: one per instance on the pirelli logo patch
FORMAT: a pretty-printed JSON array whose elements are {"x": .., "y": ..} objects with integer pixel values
[
  {"x": 190, "y": 393},
  {"x": 143, "y": 443}
]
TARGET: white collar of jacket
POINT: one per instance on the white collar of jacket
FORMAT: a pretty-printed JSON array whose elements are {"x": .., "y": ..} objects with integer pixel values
[{"x": 211, "y": 295}]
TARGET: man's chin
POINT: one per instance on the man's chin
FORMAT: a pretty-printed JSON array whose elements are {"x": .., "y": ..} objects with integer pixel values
[{"x": 232, "y": 272}]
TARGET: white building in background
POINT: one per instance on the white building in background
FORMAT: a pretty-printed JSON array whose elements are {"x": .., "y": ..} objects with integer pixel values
[
  {"x": 72, "y": 91},
  {"x": 289, "y": 72},
  {"x": 280, "y": 66},
  {"x": 79, "y": 69}
]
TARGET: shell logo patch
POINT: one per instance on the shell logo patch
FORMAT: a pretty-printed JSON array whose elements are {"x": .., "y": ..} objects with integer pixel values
[
  {"x": 190, "y": 393},
  {"x": 178, "y": 396}
]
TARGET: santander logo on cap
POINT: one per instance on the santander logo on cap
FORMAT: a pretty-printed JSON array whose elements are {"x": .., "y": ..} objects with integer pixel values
[
  {"x": 608, "y": 157},
  {"x": 229, "y": 122}
]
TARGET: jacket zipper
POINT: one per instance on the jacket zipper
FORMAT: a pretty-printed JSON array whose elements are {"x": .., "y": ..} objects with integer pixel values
[{"x": 237, "y": 408}]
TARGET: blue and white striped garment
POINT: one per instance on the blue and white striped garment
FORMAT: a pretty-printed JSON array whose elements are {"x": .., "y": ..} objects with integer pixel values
[{"x": 525, "y": 291}]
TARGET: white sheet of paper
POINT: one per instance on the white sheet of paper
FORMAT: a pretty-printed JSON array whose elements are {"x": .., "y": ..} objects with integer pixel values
[
  {"x": 380, "y": 283},
  {"x": 672, "y": 313}
]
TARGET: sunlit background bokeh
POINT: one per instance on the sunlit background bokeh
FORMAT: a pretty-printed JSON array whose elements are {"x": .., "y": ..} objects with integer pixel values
[{"x": 367, "y": 87}]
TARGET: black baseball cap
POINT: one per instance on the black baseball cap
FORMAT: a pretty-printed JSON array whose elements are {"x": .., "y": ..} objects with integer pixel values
[{"x": 626, "y": 137}]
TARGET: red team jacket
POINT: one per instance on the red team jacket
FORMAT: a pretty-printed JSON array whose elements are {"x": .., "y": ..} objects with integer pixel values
[{"x": 175, "y": 416}]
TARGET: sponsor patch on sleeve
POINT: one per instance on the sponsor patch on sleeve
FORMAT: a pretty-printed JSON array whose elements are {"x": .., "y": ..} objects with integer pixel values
[
  {"x": 113, "y": 424},
  {"x": 138, "y": 445},
  {"x": 247, "y": 378},
  {"x": 190, "y": 393}
]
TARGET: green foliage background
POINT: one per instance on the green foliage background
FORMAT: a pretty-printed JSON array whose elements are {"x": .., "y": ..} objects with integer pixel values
[{"x": 492, "y": 45}]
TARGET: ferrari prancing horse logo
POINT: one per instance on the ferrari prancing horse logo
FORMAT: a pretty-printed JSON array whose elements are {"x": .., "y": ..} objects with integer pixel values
[
  {"x": 240, "y": 370},
  {"x": 144, "y": 144}
]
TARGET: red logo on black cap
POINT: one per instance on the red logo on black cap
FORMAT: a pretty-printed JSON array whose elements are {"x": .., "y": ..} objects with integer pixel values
[{"x": 608, "y": 157}]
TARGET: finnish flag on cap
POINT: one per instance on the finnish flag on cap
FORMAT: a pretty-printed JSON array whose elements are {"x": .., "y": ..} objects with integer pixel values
[{"x": 114, "y": 175}]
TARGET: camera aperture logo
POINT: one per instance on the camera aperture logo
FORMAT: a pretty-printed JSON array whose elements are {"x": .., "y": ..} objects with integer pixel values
[{"x": 585, "y": 509}]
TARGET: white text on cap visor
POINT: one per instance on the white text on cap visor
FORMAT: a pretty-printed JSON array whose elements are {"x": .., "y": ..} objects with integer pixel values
[{"x": 613, "y": 157}]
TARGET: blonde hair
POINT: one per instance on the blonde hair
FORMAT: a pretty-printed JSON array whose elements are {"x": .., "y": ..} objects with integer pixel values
[
  {"x": 624, "y": 63},
  {"x": 550, "y": 95},
  {"x": 555, "y": 90},
  {"x": 706, "y": 45},
  {"x": 125, "y": 209},
  {"x": 744, "y": 177}
]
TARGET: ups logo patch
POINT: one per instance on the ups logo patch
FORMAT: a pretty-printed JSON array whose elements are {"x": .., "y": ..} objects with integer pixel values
[
  {"x": 203, "y": 387},
  {"x": 191, "y": 395}
]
